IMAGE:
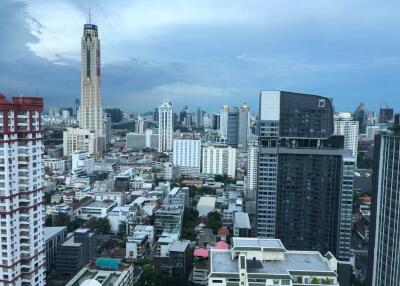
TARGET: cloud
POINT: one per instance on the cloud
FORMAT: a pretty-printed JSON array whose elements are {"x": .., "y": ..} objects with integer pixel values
[{"x": 204, "y": 53}]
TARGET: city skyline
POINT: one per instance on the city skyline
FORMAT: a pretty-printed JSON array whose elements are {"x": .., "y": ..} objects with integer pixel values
[{"x": 177, "y": 52}]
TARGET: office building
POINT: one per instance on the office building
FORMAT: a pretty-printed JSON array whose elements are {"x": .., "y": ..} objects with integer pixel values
[
  {"x": 360, "y": 115},
  {"x": 21, "y": 190},
  {"x": 298, "y": 152},
  {"x": 75, "y": 139},
  {"x": 384, "y": 252},
  {"x": 116, "y": 114},
  {"x": 253, "y": 261},
  {"x": 53, "y": 236},
  {"x": 346, "y": 126},
  {"x": 223, "y": 122},
  {"x": 165, "y": 126},
  {"x": 219, "y": 160},
  {"x": 238, "y": 125},
  {"x": 215, "y": 121},
  {"x": 232, "y": 137},
  {"x": 76, "y": 251},
  {"x": 244, "y": 125},
  {"x": 385, "y": 114},
  {"x": 252, "y": 168},
  {"x": 91, "y": 110},
  {"x": 397, "y": 118},
  {"x": 199, "y": 118}
]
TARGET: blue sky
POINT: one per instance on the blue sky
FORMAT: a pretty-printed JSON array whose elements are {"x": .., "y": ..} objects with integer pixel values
[{"x": 204, "y": 53}]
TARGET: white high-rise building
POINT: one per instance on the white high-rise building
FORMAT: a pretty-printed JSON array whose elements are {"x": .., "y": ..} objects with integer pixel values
[
  {"x": 91, "y": 110},
  {"x": 23, "y": 253},
  {"x": 165, "y": 126},
  {"x": 219, "y": 160},
  {"x": 223, "y": 125},
  {"x": 187, "y": 153},
  {"x": 346, "y": 126},
  {"x": 252, "y": 167},
  {"x": 140, "y": 125}
]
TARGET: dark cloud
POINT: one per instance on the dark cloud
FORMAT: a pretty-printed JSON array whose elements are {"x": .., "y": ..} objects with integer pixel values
[{"x": 351, "y": 59}]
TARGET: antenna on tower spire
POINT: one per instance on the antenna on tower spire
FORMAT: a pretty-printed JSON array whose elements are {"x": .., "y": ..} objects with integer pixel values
[{"x": 90, "y": 17}]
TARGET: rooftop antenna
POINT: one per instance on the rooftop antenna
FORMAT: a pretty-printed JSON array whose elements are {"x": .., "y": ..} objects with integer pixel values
[{"x": 90, "y": 17}]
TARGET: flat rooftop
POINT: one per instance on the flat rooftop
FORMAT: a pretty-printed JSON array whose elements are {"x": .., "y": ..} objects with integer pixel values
[
  {"x": 294, "y": 261},
  {"x": 102, "y": 204},
  {"x": 242, "y": 243},
  {"x": 51, "y": 231},
  {"x": 70, "y": 242},
  {"x": 179, "y": 245},
  {"x": 241, "y": 220}
]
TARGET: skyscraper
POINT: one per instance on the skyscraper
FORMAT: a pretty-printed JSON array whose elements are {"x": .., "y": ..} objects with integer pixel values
[
  {"x": 233, "y": 127},
  {"x": 199, "y": 118},
  {"x": 384, "y": 251},
  {"x": 165, "y": 126},
  {"x": 21, "y": 192},
  {"x": 304, "y": 194},
  {"x": 360, "y": 115},
  {"x": 252, "y": 168},
  {"x": 244, "y": 125},
  {"x": 91, "y": 110},
  {"x": 223, "y": 121},
  {"x": 385, "y": 114},
  {"x": 346, "y": 126}
]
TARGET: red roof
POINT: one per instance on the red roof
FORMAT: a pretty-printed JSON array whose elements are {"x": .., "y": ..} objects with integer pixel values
[
  {"x": 223, "y": 231},
  {"x": 366, "y": 198},
  {"x": 201, "y": 252},
  {"x": 221, "y": 245}
]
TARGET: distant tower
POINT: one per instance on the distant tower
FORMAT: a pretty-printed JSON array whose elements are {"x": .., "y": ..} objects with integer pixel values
[
  {"x": 165, "y": 126},
  {"x": 140, "y": 125},
  {"x": 91, "y": 111},
  {"x": 224, "y": 113},
  {"x": 244, "y": 125}
]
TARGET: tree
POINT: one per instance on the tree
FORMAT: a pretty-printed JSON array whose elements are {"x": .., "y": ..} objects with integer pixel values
[
  {"x": 61, "y": 219},
  {"x": 214, "y": 221},
  {"x": 103, "y": 225}
]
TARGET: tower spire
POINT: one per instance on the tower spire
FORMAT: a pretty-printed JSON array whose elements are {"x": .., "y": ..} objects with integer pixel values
[{"x": 90, "y": 17}]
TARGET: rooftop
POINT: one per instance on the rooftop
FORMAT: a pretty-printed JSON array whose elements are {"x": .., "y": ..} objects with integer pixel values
[
  {"x": 294, "y": 261},
  {"x": 207, "y": 201},
  {"x": 70, "y": 242},
  {"x": 242, "y": 220},
  {"x": 101, "y": 204},
  {"x": 179, "y": 245},
  {"x": 241, "y": 243},
  {"x": 51, "y": 231}
]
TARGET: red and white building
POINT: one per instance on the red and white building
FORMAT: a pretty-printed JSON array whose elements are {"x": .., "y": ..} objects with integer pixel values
[{"x": 22, "y": 259}]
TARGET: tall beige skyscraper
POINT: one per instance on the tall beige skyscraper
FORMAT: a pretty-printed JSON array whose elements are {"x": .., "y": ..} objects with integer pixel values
[{"x": 91, "y": 110}]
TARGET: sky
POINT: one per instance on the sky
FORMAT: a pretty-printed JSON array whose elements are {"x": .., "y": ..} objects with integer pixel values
[{"x": 204, "y": 53}]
